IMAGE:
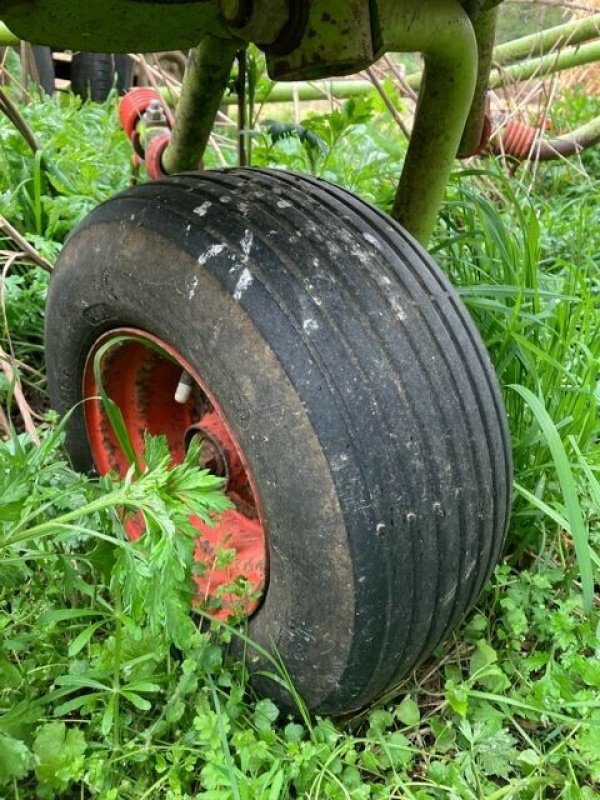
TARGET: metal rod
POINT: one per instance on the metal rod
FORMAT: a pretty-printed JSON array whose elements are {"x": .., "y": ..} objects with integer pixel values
[
  {"x": 284, "y": 92},
  {"x": 342, "y": 89},
  {"x": 571, "y": 33},
  {"x": 443, "y": 32},
  {"x": 241, "y": 107},
  {"x": 570, "y": 143},
  {"x": 546, "y": 65},
  {"x": 205, "y": 80},
  {"x": 484, "y": 26}
]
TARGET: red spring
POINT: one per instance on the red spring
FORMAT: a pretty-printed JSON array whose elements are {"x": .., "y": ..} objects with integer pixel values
[
  {"x": 133, "y": 105},
  {"x": 517, "y": 139},
  {"x": 153, "y": 156}
]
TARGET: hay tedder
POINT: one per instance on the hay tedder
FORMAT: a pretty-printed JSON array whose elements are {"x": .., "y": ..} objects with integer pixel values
[{"x": 337, "y": 383}]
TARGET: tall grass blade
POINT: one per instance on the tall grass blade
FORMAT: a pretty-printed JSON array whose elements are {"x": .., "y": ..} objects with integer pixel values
[
  {"x": 573, "y": 509},
  {"x": 113, "y": 412}
]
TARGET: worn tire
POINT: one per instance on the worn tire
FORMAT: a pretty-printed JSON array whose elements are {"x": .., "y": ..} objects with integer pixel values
[{"x": 355, "y": 383}]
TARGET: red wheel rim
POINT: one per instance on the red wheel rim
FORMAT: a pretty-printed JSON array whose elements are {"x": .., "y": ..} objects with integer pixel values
[{"x": 141, "y": 374}]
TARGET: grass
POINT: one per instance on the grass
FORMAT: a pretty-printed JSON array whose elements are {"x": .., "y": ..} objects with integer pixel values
[{"x": 107, "y": 688}]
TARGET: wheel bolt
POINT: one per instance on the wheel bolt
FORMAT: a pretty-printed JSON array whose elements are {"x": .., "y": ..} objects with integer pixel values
[
  {"x": 155, "y": 114},
  {"x": 236, "y": 11}
]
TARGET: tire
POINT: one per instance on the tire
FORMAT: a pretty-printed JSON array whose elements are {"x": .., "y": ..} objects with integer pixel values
[
  {"x": 93, "y": 75},
  {"x": 355, "y": 384},
  {"x": 124, "y": 70},
  {"x": 36, "y": 66},
  {"x": 45, "y": 68}
]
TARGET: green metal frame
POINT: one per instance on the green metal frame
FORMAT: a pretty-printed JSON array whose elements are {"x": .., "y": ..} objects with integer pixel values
[
  {"x": 443, "y": 32},
  {"x": 117, "y": 26},
  {"x": 337, "y": 35},
  {"x": 484, "y": 26},
  {"x": 330, "y": 37}
]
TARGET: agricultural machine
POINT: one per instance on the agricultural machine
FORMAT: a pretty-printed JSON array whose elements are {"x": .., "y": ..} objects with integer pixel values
[{"x": 338, "y": 384}]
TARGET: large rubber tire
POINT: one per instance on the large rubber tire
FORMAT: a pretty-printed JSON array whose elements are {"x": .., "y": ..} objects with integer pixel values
[
  {"x": 93, "y": 75},
  {"x": 355, "y": 383}
]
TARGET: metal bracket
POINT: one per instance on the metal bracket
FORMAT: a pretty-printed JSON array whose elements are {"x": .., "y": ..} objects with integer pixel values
[
  {"x": 259, "y": 21},
  {"x": 340, "y": 37}
]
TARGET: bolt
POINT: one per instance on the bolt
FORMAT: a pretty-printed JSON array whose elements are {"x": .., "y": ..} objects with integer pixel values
[
  {"x": 236, "y": 12},
  {"x": 155, "y": 114}
]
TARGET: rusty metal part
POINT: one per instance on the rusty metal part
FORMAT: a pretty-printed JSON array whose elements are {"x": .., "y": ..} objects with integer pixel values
[
  {"x": 218, "y": 452},
  {"x": 213, "y": 457}
]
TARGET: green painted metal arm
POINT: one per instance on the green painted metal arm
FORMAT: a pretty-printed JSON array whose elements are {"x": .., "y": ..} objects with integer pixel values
[
  {"x": 484, "y": 26},
  {"x": 7, "y": 38},
  {"x": 443, "y": 32},
  {"x": 286, "y": 92},
  {"x": 574, "y": 33},
  {"x": 113, "y": 26},
  {"x": 571, "y": 33},
  {"x": 547, "y": 65},
  {"x": 205, "y": 80}
]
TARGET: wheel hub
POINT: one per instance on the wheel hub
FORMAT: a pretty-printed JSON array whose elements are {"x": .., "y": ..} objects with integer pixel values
[
  {"x": 141, "y": 373},
  {"x": 212, "y": 454}
]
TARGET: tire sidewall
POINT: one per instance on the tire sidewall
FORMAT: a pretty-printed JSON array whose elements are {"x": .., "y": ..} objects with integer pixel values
[{"x": 308, "y": 551}]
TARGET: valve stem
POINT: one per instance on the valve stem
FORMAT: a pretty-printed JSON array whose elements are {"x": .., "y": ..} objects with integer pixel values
[{"x": 184, "y": 388}]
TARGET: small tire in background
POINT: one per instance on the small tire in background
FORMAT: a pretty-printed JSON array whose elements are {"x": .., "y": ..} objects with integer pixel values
[
  {"x": 36, "y": 66},
  {"x": 93, "y": 75},
  {"x": 44, "y": 67},
  {"x": 354, "y": 383}
]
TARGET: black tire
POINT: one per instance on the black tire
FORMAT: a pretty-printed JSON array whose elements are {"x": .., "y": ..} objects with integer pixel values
[
  {"x": 44, "y": 66},
  {"x": 356, "y": 385},
  {"x": 36, "y": 66},
  {"x": 124, "y": 71},
  {"x": 93, "y": 75}
]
